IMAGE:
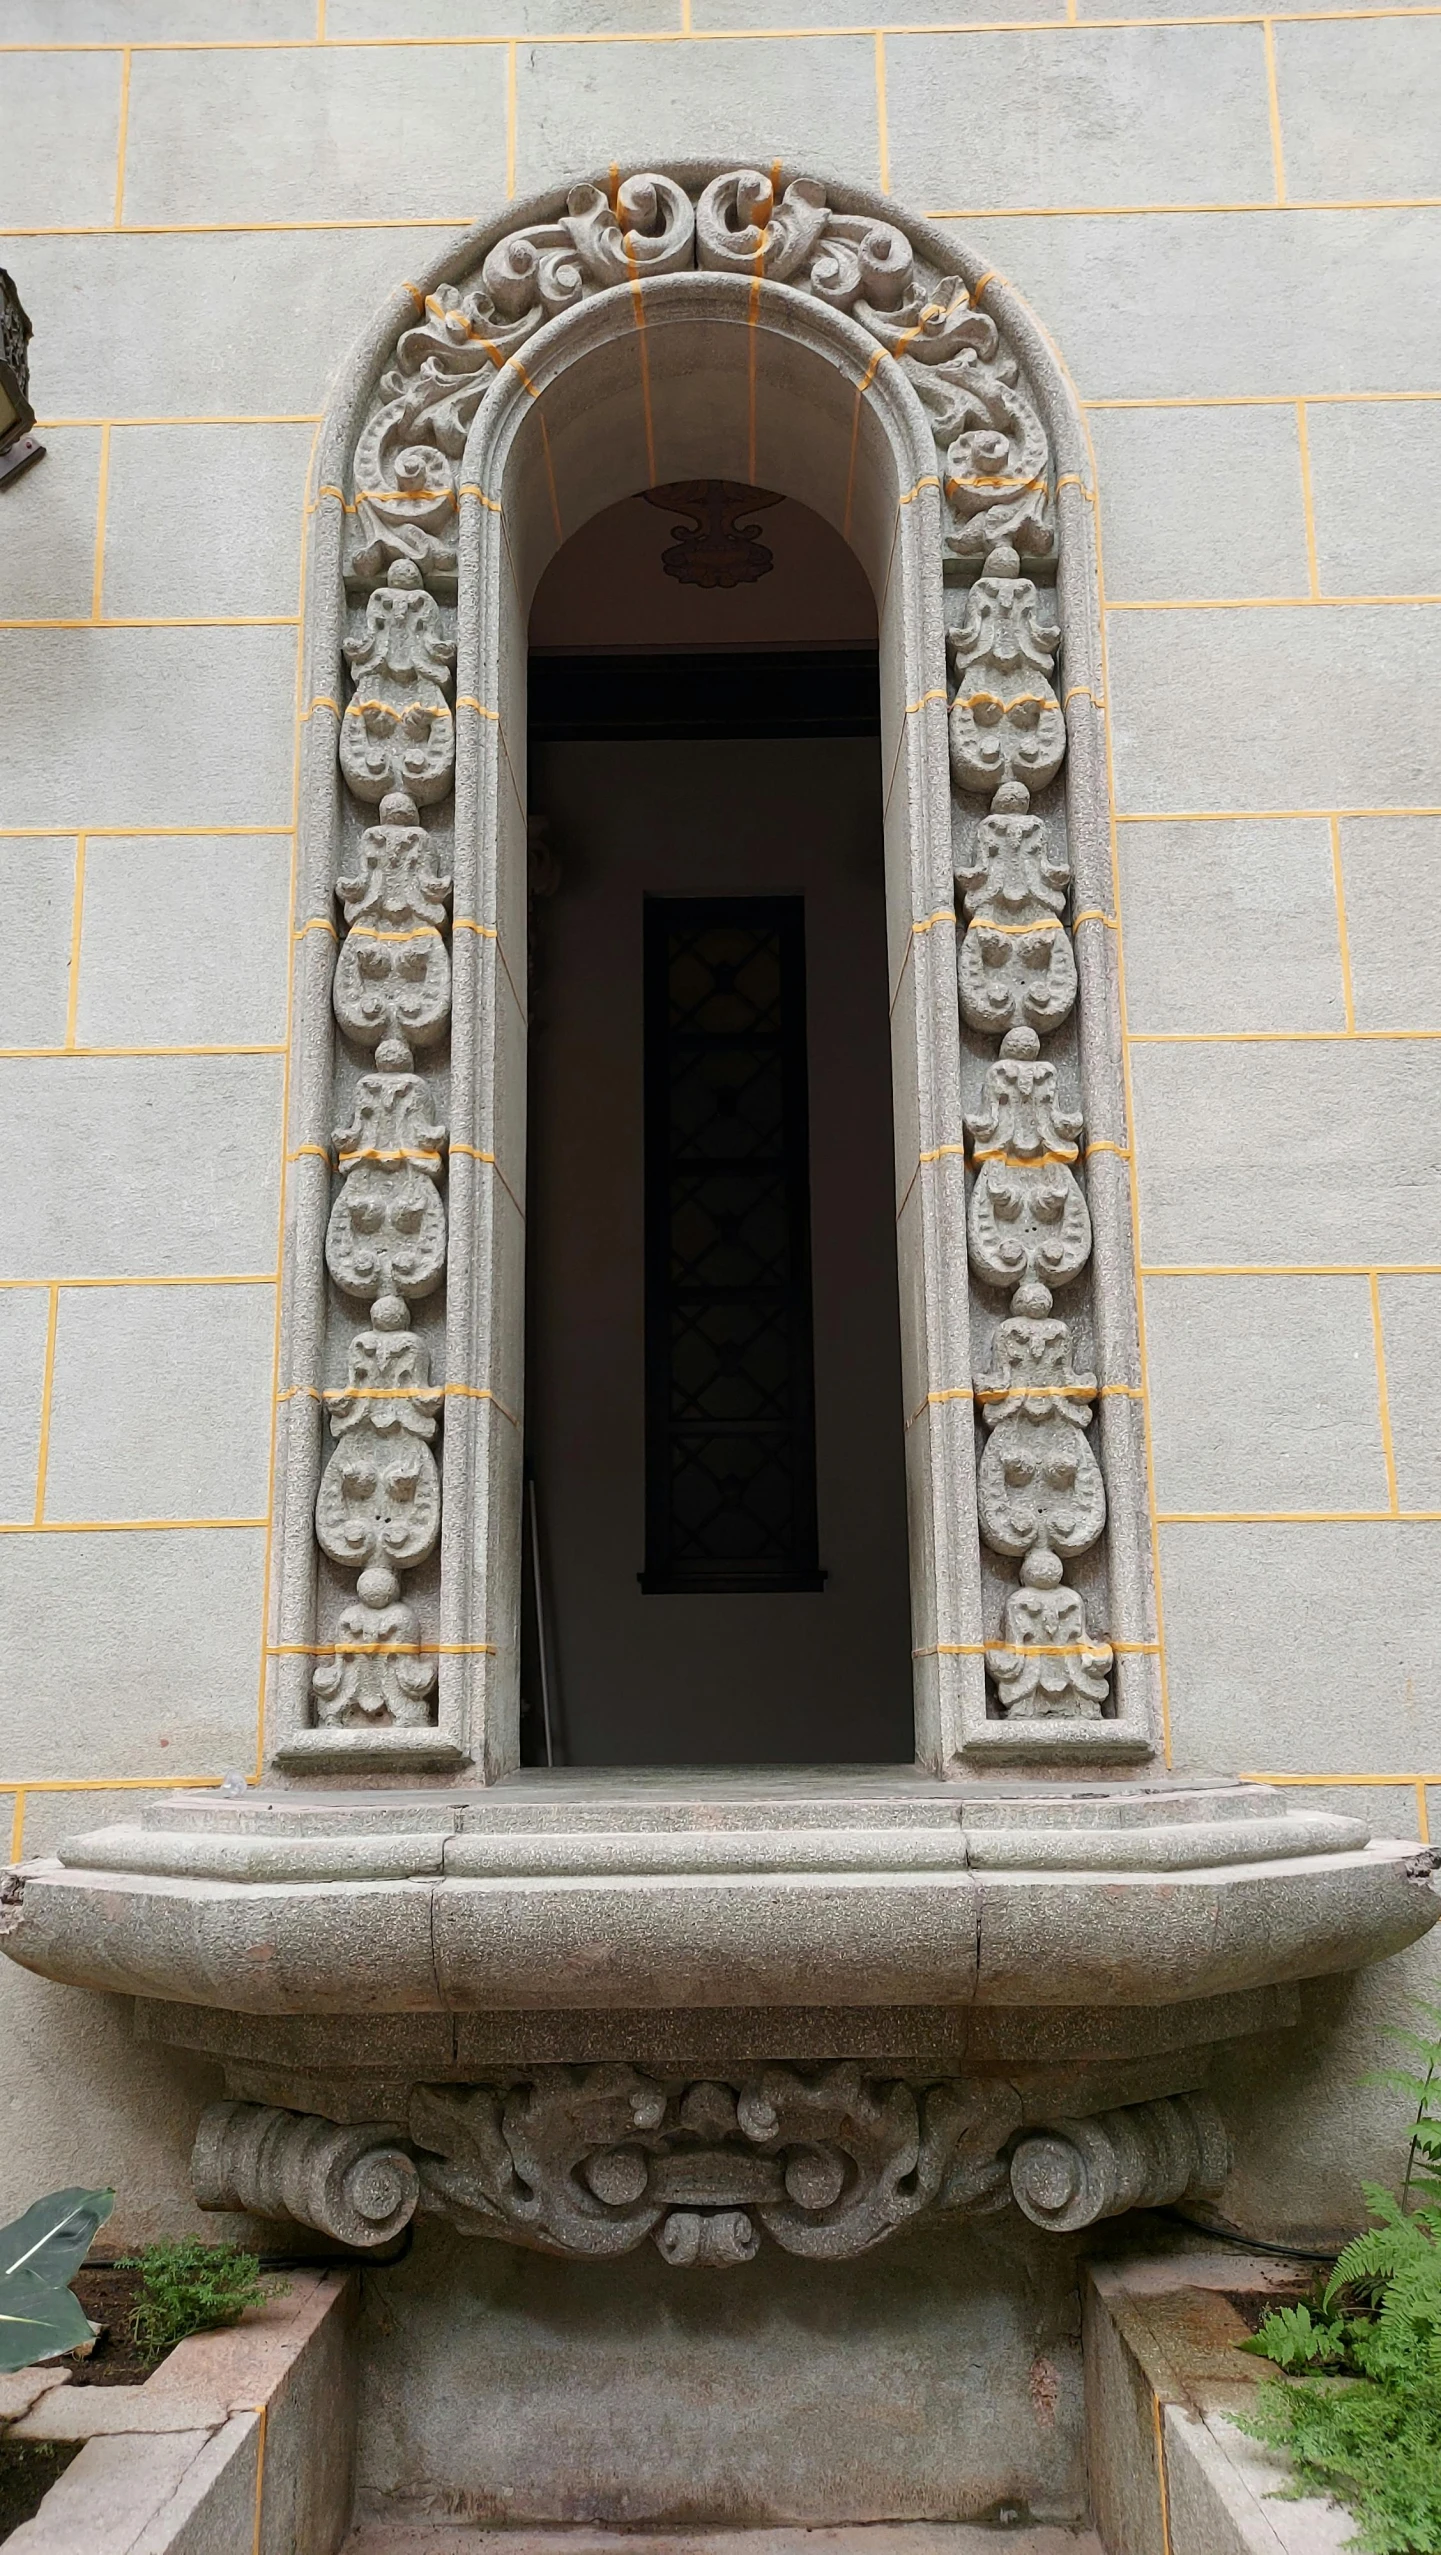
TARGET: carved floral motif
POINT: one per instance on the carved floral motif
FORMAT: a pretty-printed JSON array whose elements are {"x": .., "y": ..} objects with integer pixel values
[
  {"x": 996, "y": 464},
  {"x": 397, "y": 732}
]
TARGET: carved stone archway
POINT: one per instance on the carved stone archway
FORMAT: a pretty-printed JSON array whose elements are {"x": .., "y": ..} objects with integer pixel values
[{"x": 782, "y": 330}]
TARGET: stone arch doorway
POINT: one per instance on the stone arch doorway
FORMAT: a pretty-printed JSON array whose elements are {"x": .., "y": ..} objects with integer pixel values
[{"x": 800, "y": 335}]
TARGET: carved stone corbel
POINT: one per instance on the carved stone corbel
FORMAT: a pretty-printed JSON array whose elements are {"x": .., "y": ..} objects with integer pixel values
[{"x": 589, "y": 2162}]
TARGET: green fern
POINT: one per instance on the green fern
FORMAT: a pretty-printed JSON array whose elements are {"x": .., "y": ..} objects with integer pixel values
[{"x": 1370, "y": 2435}]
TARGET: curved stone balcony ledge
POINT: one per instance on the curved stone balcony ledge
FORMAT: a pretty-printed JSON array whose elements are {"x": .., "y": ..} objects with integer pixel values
[{"x": 569, "y": 1892}]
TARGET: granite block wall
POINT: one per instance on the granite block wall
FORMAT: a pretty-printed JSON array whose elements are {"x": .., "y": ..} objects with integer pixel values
[{"x": 1231, "y": 228}]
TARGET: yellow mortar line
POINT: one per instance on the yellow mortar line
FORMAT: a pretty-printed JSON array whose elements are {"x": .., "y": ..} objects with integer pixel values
[
  {"x": 1292, "y": 1269},
  {"x": 115, "y": 833},
  {"x": 262, "y": 2411},
  {"x": 1278, "y": 1037},
  {"x": 686, "y": 32},
  {"x": 122, "y": 133},
  {"x": 1263, "y": 399},
  {"x": 18, "y": 1055},
  {"x": 42, "y": 1458},
  {"x": 1249, "y": 815},
  {"x": 510, "y": 118},
  {"x": 1387, "y": 1782},
  {"x": 261, "y": 1277},
  {"x": 308, "y": 417},
  {"x": 1268, "y": 602},
  {"x": 1163, "y": 2486},
  {"x": 1155, "y": 206},
  {"x": 883, "y": 139},
  {"x": 1273, "y": 109},
  {"x": 127, "y": 1525},
  {"x": 1383, "y": 1400},
  {"x": 77, "y": 924},
  {"x": 1299, "y": 1516},
  {"x": 158, "y": 620},
  {"x": 1168, "y": 206},
  {"x": 1343, "y": 938}
]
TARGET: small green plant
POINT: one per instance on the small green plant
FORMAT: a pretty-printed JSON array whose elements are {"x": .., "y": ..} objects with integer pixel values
[
  {"x": 40, "y": 2254},
  {"x": 1364, "y": 2423},
  {"x": 189, "y": 2286}
]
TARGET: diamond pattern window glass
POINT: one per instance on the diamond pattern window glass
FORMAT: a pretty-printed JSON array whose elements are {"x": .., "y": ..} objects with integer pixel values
[{"x": 730, "y": 1384}]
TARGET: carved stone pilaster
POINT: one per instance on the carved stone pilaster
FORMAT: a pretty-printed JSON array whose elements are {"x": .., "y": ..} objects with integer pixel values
[
  {"x": 378, "y": 1507},
  {"x": 1039, "y": 1490}
]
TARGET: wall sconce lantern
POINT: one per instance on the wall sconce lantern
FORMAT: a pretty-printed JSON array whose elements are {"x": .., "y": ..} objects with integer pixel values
[{"x": 19, "y": 449}]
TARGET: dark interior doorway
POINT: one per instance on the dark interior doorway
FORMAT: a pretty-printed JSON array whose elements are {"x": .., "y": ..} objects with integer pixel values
[{"x": 714, "y": 1423}]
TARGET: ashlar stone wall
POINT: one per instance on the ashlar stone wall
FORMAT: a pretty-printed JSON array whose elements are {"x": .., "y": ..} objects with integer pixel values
[{"x": 1231, "y": 227}]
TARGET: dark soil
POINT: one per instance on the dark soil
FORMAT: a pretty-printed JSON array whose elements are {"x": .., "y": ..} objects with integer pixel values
[
  {"x": 28, "y": 2468},
  {"x": 108, "y": 2298},
  {"x": 1254, "y": 2305}
]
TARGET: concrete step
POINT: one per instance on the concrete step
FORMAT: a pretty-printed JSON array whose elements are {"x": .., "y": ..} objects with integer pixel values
[{"x": 923, "y": 2537}]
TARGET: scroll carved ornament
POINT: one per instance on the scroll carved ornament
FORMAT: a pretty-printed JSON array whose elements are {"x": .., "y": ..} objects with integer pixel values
[
  {"x": 995, "y": 468},
  {"x": 591, "y": 2162}
]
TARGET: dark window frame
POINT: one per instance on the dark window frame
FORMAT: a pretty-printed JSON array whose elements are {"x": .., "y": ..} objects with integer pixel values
[{"x": 800, "y": 1570}]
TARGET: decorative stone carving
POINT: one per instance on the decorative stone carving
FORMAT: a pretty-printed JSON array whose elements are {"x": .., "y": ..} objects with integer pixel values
[
  {"x": 1006, "y": 722},
  {"x": 398, "y": 733},
  {"x": 387, "y": 1232},
  {"x": 1016, "y": 966},
  {"x": 392, "y": 978},
  {"x": 356, "y": 2184},
  {"x": 377, "y": 1510},
  {"x": 1069, "y": 2174},
  {"x": 1040, "y": 1493},
  {"x": 996, "y": 474},
  {"x": 591, "y": 2161}
]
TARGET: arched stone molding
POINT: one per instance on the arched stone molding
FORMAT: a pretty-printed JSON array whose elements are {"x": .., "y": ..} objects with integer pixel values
[{"x": 659, "y": 369}]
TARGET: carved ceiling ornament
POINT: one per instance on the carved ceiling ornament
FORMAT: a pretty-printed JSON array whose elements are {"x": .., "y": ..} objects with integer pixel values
[{"x": 1040, "y": 1496}]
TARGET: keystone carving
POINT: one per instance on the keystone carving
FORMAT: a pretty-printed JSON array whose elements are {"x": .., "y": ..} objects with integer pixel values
[{"x": 590, "y": 2162}]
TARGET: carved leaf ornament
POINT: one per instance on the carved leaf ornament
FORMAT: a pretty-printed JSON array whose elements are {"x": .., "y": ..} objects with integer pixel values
[{"x": 1041, "y": 1497}]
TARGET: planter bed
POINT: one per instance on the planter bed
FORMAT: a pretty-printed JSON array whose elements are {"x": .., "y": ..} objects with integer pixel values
[
  {"x": 240, "y": 2439},
  {"x": 1170, "y": 2472}
]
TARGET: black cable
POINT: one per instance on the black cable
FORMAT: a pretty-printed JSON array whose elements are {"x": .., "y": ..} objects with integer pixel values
[{"x": 1248, "y": 2244}]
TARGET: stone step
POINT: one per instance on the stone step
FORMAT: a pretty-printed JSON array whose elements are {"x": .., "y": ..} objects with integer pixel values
[{"x": 922, "y": 2537}]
